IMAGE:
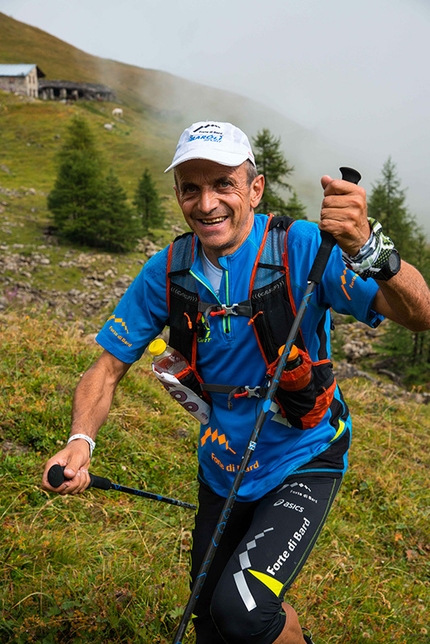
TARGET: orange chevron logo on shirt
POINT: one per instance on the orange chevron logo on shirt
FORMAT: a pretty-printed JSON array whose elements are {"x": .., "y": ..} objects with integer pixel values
[{"x": 214, "y": 436}]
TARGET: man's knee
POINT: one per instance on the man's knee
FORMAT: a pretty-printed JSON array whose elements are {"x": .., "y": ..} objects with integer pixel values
[{"x": 238, "y": 625}]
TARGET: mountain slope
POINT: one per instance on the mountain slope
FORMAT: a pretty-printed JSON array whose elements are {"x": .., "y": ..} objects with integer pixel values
[{"x": 165, "y": 104}]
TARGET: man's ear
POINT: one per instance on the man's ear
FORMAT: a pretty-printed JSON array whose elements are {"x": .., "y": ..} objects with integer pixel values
[
  {"x": 175, "y": 188},
  {"x": 257, "y": 189}
]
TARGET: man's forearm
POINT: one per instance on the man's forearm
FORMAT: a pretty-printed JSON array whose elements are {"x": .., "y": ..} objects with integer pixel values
[
  {"x": 405, "y": 298},
  {"x": 94, "y": 394}
]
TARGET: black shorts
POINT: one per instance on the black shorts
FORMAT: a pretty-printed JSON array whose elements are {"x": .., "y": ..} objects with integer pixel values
[{"x": 264, "y": 546}]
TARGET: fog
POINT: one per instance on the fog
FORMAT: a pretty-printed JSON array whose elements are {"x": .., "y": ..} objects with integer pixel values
[{"x": 355, "y": 74}]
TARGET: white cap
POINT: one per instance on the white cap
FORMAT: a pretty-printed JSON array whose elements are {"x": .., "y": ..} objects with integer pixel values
[{"x": 222, "y": 143}]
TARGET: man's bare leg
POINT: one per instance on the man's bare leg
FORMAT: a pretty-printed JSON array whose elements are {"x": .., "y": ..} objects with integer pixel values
[{"x": 292, "y": 632}]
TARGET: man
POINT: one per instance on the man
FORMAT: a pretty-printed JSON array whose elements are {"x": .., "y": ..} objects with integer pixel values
[{"x": 298, "y": 466}]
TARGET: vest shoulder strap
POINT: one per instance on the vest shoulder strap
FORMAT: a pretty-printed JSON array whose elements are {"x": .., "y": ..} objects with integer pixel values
[{"x": 181, "y": 296}]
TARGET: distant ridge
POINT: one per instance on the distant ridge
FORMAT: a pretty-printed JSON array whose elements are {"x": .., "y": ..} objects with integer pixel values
[{"x": 166, "y": 99}]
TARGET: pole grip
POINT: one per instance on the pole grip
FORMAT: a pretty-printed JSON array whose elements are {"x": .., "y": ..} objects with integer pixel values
[
  {"x": 56, "y": 478},
  {"x": 349, "y": 174}
]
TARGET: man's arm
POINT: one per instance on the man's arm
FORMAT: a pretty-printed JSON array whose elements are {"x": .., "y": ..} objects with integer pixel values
[
  {"x": 405, "y": 298},
  {"x": 91, "y": 404}
]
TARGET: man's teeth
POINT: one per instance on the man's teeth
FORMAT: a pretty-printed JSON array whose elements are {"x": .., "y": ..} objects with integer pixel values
[{"x": 217, "y": 220}]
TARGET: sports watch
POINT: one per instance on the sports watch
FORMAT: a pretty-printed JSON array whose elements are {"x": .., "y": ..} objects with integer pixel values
[{"x": 390, "y": 267}]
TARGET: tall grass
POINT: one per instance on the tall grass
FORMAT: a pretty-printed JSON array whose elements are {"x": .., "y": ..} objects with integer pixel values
[
  {"x": 99, "y": 565},
  {"x": 104, "y": 566}
]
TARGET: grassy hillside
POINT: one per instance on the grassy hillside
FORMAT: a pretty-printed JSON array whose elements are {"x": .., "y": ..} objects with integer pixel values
[
  {"x": 32, "y": 133},
  {"x": 33, "y": 265},
  {"x": 59, "y": 60},
  {"x": 104, "y": 566}
]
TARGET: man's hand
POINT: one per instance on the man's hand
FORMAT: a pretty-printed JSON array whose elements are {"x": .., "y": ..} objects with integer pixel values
[
  {"x": 344, "y": 214},
  {"x": 75, "y": 459}
]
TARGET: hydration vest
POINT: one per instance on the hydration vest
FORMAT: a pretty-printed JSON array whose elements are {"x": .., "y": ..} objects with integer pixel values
[{"x": 270, "y": 309}]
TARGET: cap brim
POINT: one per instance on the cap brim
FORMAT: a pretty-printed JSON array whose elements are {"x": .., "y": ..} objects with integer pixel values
[{"x": 224, "y": 158}]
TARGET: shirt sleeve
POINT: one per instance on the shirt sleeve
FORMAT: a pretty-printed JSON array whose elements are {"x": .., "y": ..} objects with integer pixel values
[
  {"x": 140, "y": 315},
  {"x": 340, "y": 288},
  {"x": 348, "y": 293}
]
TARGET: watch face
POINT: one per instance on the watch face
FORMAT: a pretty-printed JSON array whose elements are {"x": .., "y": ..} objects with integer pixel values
[{"x": 394, "y": 262}]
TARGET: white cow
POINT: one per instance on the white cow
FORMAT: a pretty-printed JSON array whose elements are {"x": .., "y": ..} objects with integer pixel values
[{"x": 117, "y": 111}]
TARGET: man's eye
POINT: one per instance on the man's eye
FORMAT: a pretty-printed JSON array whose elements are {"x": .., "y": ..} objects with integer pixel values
[{"x": 224, "y": 184}]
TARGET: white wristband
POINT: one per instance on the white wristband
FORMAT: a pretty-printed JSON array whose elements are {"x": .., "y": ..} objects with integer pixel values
[{"x": 89, "y": 440}]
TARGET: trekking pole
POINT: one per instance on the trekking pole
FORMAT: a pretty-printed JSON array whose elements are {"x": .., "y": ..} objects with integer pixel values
[
  {"x": 56, "y": 478},
  {"x": 314, "y": 278}
]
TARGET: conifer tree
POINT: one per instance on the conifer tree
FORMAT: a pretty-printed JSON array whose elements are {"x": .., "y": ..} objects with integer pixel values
[
  {"x": 387, "y": 205},
  {"x": 118, "y": 227},
  {"x": 271, "y": 162},
  {"x": 77, "y": 190},
  {"x": 148, "y": 203},
  {"x": 89, "y": 206},
  {"x": 295, "y": 208},
  {"x": 407, "y": 353}
]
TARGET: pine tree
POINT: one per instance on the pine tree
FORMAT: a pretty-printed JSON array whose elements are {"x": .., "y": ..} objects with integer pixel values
[
  {"x": 118, "y": 227},
  {"x": 271, "y": 162},
  {"x": 409, "y": 353},
  {"x": 295, "y": 208},
  {"x": 78, "y": 187},
  {"x": 89, "y": 206},
  {"x": 387, "y": 205},
  {"x": 148, "y": 202}
]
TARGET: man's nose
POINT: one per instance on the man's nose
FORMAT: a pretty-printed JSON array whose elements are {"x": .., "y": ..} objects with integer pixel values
[{"x": 208, "y": 200}]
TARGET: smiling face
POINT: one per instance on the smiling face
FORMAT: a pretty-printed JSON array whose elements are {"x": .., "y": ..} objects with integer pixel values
[{"x": 218, "y": 203}]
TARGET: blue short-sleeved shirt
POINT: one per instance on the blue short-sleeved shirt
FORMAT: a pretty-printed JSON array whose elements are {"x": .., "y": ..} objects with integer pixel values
[{"x": 229, "y": 354}]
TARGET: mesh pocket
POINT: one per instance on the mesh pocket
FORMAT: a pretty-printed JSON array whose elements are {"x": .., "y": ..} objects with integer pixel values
[{"x": 305, "y": 407}]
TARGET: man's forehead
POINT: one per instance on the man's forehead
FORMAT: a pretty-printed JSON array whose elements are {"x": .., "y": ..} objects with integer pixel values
[{"x": 204, "y": 168}]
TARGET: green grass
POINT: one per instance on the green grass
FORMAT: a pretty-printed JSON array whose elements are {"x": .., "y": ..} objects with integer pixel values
[
  {"x": 132, "y": 575},
  {"x": 32, "y": 133},
  {"x": 104, "y": 566}
]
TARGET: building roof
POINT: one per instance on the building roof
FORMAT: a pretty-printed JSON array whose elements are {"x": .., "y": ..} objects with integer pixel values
[
  {"x": 90, "y": 89},
  {"x": 75, "y": 85},
  {"x": 23, "y": 69}
]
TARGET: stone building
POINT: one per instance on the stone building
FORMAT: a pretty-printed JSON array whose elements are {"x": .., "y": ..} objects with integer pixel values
[
  {"x": 70, "y": 90},
  {"x": 21, "y": 79}
]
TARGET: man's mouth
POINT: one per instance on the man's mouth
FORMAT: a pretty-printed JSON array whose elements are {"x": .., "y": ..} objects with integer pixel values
[{"x": 212, "y": 222}]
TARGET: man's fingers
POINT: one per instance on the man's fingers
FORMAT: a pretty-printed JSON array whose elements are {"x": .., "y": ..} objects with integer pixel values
[
  {"x": 340, "y": 187},
  {"x": 344, "y": 213},
  {"x": 75, "y": 462},
  {"x": 325, "y": 180},
  {"x": 78, "y": 483}
]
